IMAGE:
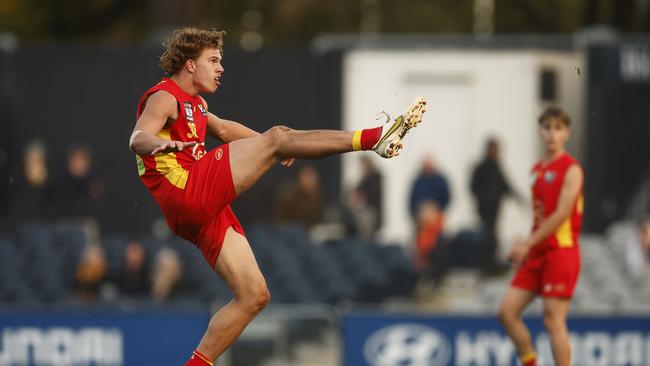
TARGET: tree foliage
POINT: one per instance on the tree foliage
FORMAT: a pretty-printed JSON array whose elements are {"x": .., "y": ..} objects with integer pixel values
[{"x": 298, "y": 21}]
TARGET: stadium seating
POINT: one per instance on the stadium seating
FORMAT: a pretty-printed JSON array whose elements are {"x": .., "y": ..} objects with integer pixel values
[{"x": 38, "y": 263}]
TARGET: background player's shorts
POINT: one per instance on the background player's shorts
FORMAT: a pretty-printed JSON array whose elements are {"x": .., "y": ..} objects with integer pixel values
[
  {"x": 205, "y": 214},
  {"x": 553, "y": 273}
]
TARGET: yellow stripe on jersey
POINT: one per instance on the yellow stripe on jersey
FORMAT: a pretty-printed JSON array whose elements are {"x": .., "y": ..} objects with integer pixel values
[
  {"x": 168, "y": 166},
  {"x": 564, "y": 234},
  {"x": 356, "y": 141},
  {"x": 580, "y": 205}
]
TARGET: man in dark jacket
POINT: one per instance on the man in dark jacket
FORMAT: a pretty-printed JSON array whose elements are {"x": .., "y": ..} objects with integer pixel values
[{"x": 489, "y": 186}]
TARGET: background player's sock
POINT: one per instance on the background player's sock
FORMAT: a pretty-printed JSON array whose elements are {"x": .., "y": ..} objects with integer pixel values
[
  {"x": 198, "y": 359},
  {"x": 366, "y": 139},
  {"x": 529, "y": 359}
]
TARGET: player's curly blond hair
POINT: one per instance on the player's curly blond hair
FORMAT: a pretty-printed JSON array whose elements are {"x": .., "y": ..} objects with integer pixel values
[{"x": 187, "y": 43}]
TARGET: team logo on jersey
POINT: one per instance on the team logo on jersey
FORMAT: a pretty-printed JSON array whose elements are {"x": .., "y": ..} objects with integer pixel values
[
  {"x": 549, "y": 176},
  {"x": 203, "y": 111},
  {"x": 198, "y": 151},
  {"x": 219, "y": 154},
  {"x": 189, "y": 116}
]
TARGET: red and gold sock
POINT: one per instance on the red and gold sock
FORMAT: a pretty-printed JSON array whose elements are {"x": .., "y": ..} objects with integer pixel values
[
  {"x": 199, "y": 359},
  {"x": 529, "y": 359},
  {"x": 365, "y": 139}
]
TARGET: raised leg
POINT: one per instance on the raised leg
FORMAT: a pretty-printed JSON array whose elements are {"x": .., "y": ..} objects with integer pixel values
[{"x": 251, "y": 158}]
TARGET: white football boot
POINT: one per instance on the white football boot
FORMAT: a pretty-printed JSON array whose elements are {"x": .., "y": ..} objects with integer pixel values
[{"x": 390, "y": 142}]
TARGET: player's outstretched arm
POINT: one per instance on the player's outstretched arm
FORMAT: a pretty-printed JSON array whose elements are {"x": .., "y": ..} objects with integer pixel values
[
  {"x": 160, "y": 108},
  {"x": 226, "y": 130},
  {"x": 568, "y": 196}
]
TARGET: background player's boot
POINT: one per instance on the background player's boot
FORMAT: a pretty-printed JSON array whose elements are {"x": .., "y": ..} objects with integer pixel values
[{"x": 390, "y": 142}]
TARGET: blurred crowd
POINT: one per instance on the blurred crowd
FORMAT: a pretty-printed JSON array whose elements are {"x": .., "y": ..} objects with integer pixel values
[
  {"x": 134, "y": 270},
  {"x": 69, "y": 199},
  {"x": 37, "y": 194},
  {"x": 432, "y": 249},
  {"x": 138, "y": 275}
]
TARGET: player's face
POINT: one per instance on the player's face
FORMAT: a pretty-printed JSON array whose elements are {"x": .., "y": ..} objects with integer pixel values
[
  {"x": 208, "y": 70},
  {"x": 554, "y": 134}
]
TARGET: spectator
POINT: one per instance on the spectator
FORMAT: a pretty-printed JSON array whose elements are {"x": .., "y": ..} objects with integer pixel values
[
  {"x": 78, "y": 190},
  {"x": 428, "y": 201},
  {"x": 637, "y": 251},
  {"x": 365, "y": 201},
  {"x": 32, "y": 192},
  {"x": 489, "y": 186},
  {"x": 167, "y": 275},
  {"x": 301, "y": 201},
  {"x": 133, "y": 279},
  {"x": 91, "y": 273},
  {"x": 429, "y": 223}
]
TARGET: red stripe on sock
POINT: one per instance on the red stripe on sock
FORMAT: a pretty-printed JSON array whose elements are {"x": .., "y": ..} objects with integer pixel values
[
  {"x": 198, "y": 359},
  {"x": 532, "y": 362},
  {"x": 369, "y": 137}
]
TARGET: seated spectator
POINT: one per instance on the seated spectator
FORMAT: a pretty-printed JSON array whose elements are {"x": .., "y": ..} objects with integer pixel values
[
  {"x": 91, "y": 273},
  {"x": 167, "y": 275},
  {"x": 638, "y": 251},
  {"x": 78, "y": 190},
  {"x": 301, "y": 201},
  {"x": 133, "y": 280},
  {"x": 31, "y": 192}
]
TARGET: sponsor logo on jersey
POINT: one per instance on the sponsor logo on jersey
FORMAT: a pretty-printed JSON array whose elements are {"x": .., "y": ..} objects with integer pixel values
[
  {"x": 202, "y": 109},
  {"x": 189, "y": 116}
]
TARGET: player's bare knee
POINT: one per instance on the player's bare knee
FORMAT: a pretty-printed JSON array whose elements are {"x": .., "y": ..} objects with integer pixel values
[
  {"x": 277, "y": 137},
  {"x": 260, "y": 300},
  {"x": 263, "y": 299},
  {"x": 505, "y": 316},
  {"x": 257, "y": 297},
  {"x": 552, "y": 320},
  {"x": 501, "y": 316}
]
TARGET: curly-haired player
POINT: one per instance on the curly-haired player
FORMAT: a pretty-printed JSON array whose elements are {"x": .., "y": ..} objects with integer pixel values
[
  {"x": 195, "y": 187},
  {"x": 548, "y": 262}
]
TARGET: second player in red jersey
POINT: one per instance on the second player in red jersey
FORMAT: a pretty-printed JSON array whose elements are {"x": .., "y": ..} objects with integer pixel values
[
  {"x": 548, "y": 262},
  {"x": 553, "y": 265}
]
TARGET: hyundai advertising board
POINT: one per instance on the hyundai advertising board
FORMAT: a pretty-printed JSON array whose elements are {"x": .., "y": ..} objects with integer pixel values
[
  {"x": 99, "y": 339},
  {"x": 395, "y": 340}
]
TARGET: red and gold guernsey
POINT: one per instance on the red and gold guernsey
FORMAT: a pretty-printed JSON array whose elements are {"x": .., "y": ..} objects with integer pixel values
[
  {"x": 163, "y": 172},
  {"x": 547, "y": 180}
]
